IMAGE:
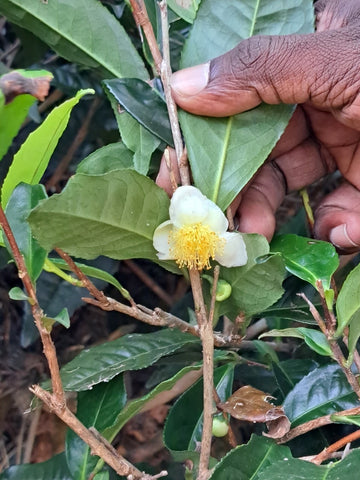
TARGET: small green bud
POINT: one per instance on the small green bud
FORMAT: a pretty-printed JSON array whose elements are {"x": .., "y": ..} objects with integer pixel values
[
  {"x": 223, "y": 291},
  {"x": 220, "y": 427}
]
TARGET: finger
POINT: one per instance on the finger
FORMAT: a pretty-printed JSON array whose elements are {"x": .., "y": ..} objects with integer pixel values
[
  {"x": 340, "y": 144},
  {"x": 337, "y": 219},
  {"x": 292, "y": 170},
  {"x": 334, "y": 14},
  {"x": 275, "y": 69},
  {"x": 169, "y": 176}
]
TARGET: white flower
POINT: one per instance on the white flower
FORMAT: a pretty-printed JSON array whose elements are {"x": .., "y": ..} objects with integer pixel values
[{"x": 197, "y": 232}]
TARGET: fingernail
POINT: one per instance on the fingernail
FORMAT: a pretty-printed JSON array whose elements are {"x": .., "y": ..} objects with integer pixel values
[
  {"x": 340, "y": 238},
  {"x": 190, "y": 81}
]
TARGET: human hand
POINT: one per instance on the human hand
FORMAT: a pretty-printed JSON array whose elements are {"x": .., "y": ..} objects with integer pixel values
[{"x": 320, "y": 72}]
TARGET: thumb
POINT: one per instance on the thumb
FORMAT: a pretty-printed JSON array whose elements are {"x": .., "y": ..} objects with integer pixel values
[{"x": 271, "y": 69}]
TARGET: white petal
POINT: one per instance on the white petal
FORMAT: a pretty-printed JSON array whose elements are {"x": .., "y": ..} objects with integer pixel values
[
  {"x": 188, "y": 205},
  {"x": 161, "y": 240},
  {"x": 215, "y": 218},
  {"x": 234, "y": 253}
]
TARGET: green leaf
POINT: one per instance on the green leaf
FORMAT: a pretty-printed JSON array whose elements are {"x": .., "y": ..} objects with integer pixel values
[
  {"x": 323, "y": 391},
  {"x": 111, "y": 157},
  {"x": 17, "y": 294},
  {"x": 313, "y": 338},
  {"x": 246, "y": 462},
  {"x": 350, "y": 419},
  {"x": 63, "y": 318},
  {"x": 288, "y": 372},
  {"x": 255, "y": 286},
  {"x": 135, "y": 406},
  {"x": 225, "y": 153},
  {"x": 84, "y": 32},
  {"x": 348, "y": 307},
  {"x": 144, "y": 104},
  {"x": 92, "y": 272},
  {"x": 97, "y": 408},
  {"x": 131, "y": 352},
  {"x": 31, "y": 160},
  {"x": 119, "y": 221},
  {"x": 136, "y": 137},
  {"x": 52, "y": 292},
  {"x": 23, "y": 199},
  {"x": 183, "y": 427},
  {"x": 186, "y": 9},
  {"x": 311, "y": 260},
  {"x": 55, "y": 468},
  {"x": 295, "y": 469},
  {"x": 316, "y": 341},
  {"x": 102, "y": 476},
  {"x": 292, "y": 312},
  {"x": 12, "y": 117}
]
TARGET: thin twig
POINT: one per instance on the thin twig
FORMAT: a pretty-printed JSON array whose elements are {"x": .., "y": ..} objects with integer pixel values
[
  {"x": 171, "y": 105},
  {"x": 157, "y": 317},
  {"x": 314, "y": 312},
  {"x": 207, "y": 338},
  {"x": 213, "y": 294},
  {"x": 339, "y": 357},
  {"x": 48, "y": 345},
  {"x": 142, "y": 20},
  {"x": 169, "y": 166},
  {"x": 87, "y": 283},
  {"x": 56, "y": 401},
  {"x": 328, "y": 330},
  {"x": 230, "y": 219},
  {"x": 317, "y": 423},
  {"x": 326, "y": 453},
  {"x": 330, "y": 319},
  {"x": 99, "y": 446}
]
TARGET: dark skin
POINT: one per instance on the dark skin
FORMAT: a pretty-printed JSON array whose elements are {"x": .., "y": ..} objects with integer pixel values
[{"x": 321, "y": 73}]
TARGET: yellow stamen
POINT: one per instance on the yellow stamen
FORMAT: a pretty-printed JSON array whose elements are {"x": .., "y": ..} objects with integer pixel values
[{"x": 193, "y": 245}]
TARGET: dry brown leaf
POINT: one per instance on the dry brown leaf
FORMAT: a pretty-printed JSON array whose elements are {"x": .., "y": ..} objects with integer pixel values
[
  {"x": 252, "y": 405},
  {"x": 13, "y": 84}
]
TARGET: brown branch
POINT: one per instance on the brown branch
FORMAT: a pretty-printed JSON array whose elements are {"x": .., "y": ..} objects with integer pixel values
[
  {"x": 157, "y": 317},
  {"x": 142, "y": 20},
  {"x": 48, "y": 345},
  {"x": 305, "y": 427},
  {"x": 314, "y": 312},
  {"x": 170, "y": 168},
  {"x": 330, "y": 319},
  {"x": 328, "y": 328},
  {"x": 317, "y": 423},
  {"x": 340, "y": 359},
  {"x": 328, "y": 451},
  {"x": 99, "y": 446},
  {"x": 213, "y": 294},
  {"x": 207, "y": 338},
  {"x": 87, "y": 283},
  {"x": 171, "y": 105},
  {"x": 56, "y": 400}
]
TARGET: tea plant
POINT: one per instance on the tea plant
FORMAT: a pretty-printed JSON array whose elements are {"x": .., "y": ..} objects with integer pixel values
[{"x": 112, "y": 207}]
